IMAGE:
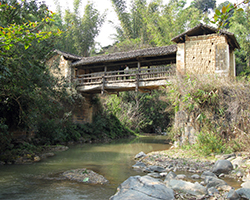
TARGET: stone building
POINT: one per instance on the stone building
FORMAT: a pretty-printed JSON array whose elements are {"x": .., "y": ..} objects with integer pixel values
[
  {"x": 205, "y": 50},
  {"x": 202, "y": 50}
]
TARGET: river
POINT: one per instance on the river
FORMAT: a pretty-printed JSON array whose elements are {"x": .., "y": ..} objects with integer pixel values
[{"x": 113, "y": 161}]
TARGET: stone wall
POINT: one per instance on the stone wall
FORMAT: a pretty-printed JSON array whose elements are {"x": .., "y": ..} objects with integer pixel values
[
  {"x": 83, "y": 112},
  {"x": 205, "y": 54},
  {"x": 60, "y": 67},
  {"x": 201, "y": 55},
  {"x": 183, "y": 124}
]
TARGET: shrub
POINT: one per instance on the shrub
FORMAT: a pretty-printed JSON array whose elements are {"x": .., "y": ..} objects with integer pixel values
[{"x": 217, "y": 107}]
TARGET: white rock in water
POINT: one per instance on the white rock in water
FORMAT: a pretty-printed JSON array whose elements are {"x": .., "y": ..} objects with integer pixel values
[{"x": 140, "y": 155}]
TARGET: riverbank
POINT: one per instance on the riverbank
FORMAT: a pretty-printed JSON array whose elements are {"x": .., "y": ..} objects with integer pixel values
[
  {"x": 27, "y": 152},
  {"x": 178, "y": 159},
  {"x": 185, "y": 174}
]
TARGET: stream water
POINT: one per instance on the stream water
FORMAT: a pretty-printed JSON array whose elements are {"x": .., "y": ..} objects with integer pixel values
[{"x": 113, "y": 161}]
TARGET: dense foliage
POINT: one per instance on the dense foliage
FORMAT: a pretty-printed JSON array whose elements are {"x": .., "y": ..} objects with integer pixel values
[
  {"x": 27, "y": 93},
  {"x": 217, "y": 108},
  {"x": 79, "y": 29},
  {"x": 142, "y": 112}
]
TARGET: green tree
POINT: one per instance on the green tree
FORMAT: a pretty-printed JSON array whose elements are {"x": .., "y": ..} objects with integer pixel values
[
  {"x": 166, "y": 21},
  {"x": 240, "y": 26},
  {"x": 80, "y": 32},
  {"x": 28, "y": 93},
  {"x": 204, "y": 5},
  {"x": 141, "y": 112}
]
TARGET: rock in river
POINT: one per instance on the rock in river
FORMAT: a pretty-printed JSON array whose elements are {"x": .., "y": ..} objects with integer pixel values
[
  {"x": 140, "y": 155},
  {"x": 143, "y": 188},
  {"x": 85, "y": 176},
  {"x": 187, "y": 187},
  {"x": 222, "y": 166}
]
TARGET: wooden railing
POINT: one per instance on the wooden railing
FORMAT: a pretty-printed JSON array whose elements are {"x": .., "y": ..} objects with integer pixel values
[{"x": 130, "y": 75}]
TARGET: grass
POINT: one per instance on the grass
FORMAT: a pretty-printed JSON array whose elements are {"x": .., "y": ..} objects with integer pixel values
[{"x": 218, "y": 108}]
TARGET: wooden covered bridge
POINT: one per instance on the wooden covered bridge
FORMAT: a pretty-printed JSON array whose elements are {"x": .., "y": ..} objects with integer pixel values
[
  {"x": 139, "y": 70},
  {"x": 200, "y": 50}
]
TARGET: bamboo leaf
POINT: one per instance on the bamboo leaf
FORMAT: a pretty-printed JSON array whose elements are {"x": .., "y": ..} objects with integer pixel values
[
  {"x": 217, "y": 12},
  {"x": 224, "y": 9}
]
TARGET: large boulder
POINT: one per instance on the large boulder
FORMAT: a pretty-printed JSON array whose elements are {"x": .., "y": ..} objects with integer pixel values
[
  {"x": 187, "y": 187},
  {"x": 222, "y": 166},
  {"x": 244, "y": 193},
  {"x": 211, "y": 181},
  {"x": 232, "y": 195},
  {"x": 143, "y": 187},
  {"x": 246, "y": 184}
]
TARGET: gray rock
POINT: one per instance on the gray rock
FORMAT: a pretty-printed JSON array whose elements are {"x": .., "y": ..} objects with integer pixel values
[
  {"x": 239, "y": 174},
  {"x": 225, "y": 156},
  {"x": 244, "y": 192},
  {"x": 195, "y": 176},
  {"x": 221, "y": 175},
  {"x": 140, "y": 155},
  {"x": 211, "y": 191},
  {"x": 46, "y": 155},
  {"x": 225, "y": 188},
  {"x": 222, "y": 166},
  {"x": 164, "y": 174},
  {"x": 170, "y": 166},
  {"x": 187, "y": 187},
  {"x": 246, "y": 184},
  {"x": 2, "y": 163},
  {"x": 181, "y": 176},
  {"x": 213, "y": 182},
  {"x": 85, "y": 176},
  {"x": 207, "y": 173},
  {"x": 232, "y": 195},
  {"x": 154, "y": 175},
  {"x": 171, "y": 175},
  {"x": 238, "y": 161},
  {"x": 145, "y": 187},
  {"x": 139, "y": 165},
  {"x": 154, "y": 169}
]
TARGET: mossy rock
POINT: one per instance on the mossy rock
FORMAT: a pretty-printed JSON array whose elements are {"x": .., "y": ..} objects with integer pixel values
[{"x": 85, "y": 176}]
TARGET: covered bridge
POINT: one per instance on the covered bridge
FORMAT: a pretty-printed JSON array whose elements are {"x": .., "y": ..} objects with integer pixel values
[{"x": 200, "y": 50}]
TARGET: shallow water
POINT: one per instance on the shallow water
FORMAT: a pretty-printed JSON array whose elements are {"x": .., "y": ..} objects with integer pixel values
[{"x": 113, "y": 161}]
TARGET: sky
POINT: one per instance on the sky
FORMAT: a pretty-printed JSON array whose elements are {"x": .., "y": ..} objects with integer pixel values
[{"x": 105, "y": 36}]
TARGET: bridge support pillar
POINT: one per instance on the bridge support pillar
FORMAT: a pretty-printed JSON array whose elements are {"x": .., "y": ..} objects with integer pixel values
[{"x": 84, "y": 110}]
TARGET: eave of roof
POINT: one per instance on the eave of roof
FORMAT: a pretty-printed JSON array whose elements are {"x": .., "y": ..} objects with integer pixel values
[
  {"x": 115, "y": 57},
  {"x": 68, "y": 56},
  {"x": 203, "y": 29}
]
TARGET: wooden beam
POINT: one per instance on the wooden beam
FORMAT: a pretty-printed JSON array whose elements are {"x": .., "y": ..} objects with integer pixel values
[
  {"x": 139, "y": 66},
  {"x": 103, "y": 84},
  {"x": 137, "y": 82}
]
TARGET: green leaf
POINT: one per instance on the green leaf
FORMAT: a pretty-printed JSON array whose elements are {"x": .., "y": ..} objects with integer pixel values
[
  {"x": 85, "y": 180},
  {"x": 26, "y": 46},
  {"x": 224, "y": 9},
  {"x": 217, "y": 12},
  {"x": 240, "y": 9}
]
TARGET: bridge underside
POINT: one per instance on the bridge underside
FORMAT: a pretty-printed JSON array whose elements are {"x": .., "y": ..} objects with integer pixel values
[{"x": 123, "y": 85}]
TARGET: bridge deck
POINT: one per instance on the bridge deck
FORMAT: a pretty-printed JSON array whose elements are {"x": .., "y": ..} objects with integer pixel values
[{"x": 144, "y": 80}]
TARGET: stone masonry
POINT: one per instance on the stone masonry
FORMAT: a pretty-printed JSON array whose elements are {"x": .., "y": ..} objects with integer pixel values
[{"x": 205, "y": 54}]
